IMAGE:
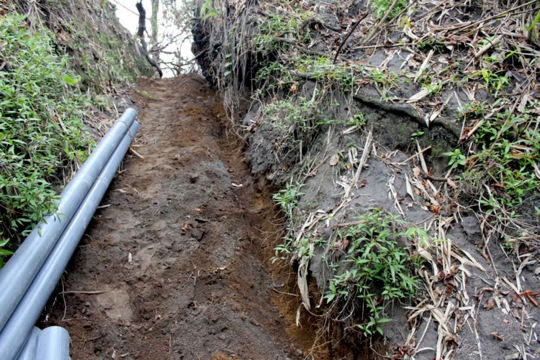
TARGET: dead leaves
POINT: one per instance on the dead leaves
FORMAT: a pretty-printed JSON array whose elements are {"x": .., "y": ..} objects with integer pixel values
[
  {"x": 334, "y": 160},
  {"x": 529, "y": 295},
  {"x": 489, "y": 304},
  {"x": 452, "y": 183}
]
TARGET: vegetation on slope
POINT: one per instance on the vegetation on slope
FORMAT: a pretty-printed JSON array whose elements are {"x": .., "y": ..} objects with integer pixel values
[
  {"x": 53, "y": 83},
  {"x": 41, "y": 132},
  {"x": 465, "y": 74}
]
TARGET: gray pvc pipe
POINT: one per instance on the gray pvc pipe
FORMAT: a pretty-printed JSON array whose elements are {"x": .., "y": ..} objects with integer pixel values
[
  {"x": 29, "y": 350},
  {"x": 29, "y": 309},
  {"x": 53, "y": 344},
  {"x": 20, "y": 270}
]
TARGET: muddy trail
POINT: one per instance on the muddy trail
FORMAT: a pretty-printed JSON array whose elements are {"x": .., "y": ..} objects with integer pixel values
[{"x": 175, "y": 262}]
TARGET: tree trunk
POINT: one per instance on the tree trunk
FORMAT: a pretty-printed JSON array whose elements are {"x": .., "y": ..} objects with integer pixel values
[
  {"x": 140, "y": 33},
  {"x": 154, "y": 24}
]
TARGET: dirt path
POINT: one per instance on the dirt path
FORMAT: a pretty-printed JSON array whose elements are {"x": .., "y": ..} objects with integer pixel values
[{"x": 171, "y": 266}]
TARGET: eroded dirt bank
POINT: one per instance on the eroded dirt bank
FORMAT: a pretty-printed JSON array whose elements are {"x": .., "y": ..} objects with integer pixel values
[{"x": 171, "y": 266}]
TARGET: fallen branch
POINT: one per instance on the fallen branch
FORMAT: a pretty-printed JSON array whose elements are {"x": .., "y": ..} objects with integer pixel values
[
  {"x": 438, "y": 179},
  {"x": 406, "y": 109},
  {"x": 136, "y": 153},
  {"x": 362, "y": 17},
  {"x": 315, "y": 21}
]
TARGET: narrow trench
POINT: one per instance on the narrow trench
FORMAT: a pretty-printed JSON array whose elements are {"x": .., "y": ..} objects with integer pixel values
[{"x": 175, "y": 264}]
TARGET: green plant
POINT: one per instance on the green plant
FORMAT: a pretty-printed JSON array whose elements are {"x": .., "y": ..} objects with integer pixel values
[
  {"x": 534, "y": 22},
  {"x": 283, "y": 250},
  {"x": 380, "y": 7},
  {"x": 3, "y": 252},
  {"x": 493, "y": 81},
  {"x": 291, "y": 248},
  {"x": 287, "y": 198},
  {"x": 378, "y": 269},
  {"x": 431, "y": 44},
  {"x": 357, "y": 120},
  {"x": 507, "y": 246},
  {"x": 298, "y": 113},
  {"x": 382, "y": 77},
  {"x": 324, "y": 70},
  {"x": 374, "y": 319},
  {"x": 274, "y": 73},
  {"x": 501, "y": 170},
  {"x": 473, "y": 109},
  {"x": 41, "y": 133},
  {"x": 509, "y": 149},
  {"x": 434, "y": 87},
  {"x": 386, "y": 80},
  {"x": 279, "y": 26},
  {"x": 456, "y": 158},
  {"x": 325, "y": 121},
  {"x": 531, "y": 28},
  {"x": 207, "y": 10}
]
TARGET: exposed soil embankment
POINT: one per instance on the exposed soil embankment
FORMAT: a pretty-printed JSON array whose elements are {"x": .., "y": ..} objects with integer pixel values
[
  {"x": 401, "y": 134},
  {"x": 171, "y": 266}
]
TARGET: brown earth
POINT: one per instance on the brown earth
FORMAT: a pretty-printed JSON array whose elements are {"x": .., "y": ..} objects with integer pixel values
[{"x": 172, "y": 265}]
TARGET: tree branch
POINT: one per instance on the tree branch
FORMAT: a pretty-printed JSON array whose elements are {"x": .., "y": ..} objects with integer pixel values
[{"x": 362, "y": 17}]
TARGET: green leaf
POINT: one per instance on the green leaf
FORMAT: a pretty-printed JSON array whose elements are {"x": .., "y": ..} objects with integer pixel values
[
  {"x": 70, "y": 80},
  {"x": 332, "y": 287},
  {"x": 534, "y": 22},
  {"x": 329, "y": 297}
]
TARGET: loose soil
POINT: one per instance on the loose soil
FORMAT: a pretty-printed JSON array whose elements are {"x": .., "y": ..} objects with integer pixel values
[{"x": 174, "y": 265}]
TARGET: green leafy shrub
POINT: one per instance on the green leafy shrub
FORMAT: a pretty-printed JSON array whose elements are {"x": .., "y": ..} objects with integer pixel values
[
  {"x": 293, "y": 113},
  {"x": 324, "y": 70},
  {"x": 41, "y": 133},
  {"x": 379, "y": 269},
  {"x": 506, "y": 158},
  {"x": 287, "y": 198},
  {"x": 284, "y": 23}
]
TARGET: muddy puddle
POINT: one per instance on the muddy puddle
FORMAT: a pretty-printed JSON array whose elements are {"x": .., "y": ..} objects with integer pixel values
[{"x": 176, "y": 262}]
